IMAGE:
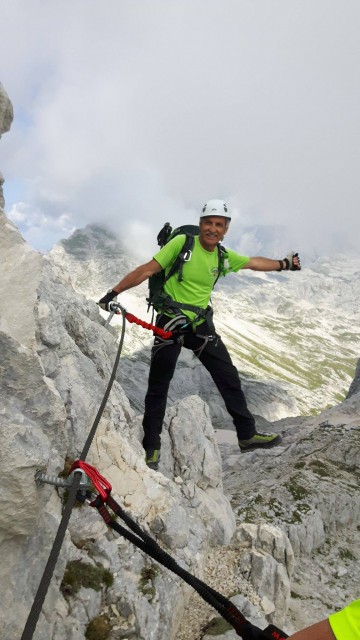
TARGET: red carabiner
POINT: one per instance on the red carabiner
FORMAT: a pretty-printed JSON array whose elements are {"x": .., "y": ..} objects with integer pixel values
[{"x": 100, "y": 483}]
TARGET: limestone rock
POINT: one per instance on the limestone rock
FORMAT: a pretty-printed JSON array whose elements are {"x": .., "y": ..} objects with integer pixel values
[
  {"x": 6, "y": 118},
  {"x": 268, "y": 565},
  {"x": 355, "y": 385},
  {"x": 6, "y": 111},
  {"x": 308, "y": 488},
  {"x": 20, "y": 277},
  {"x": 2, "y": 200},
  {"x": 56, "y": 362}
]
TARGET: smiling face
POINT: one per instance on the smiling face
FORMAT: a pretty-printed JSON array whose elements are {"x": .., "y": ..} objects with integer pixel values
[{"x": 212, "y": 231}]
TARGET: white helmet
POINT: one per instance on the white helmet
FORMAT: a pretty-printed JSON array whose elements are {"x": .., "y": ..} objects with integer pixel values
[{"x": 215, "y": 208}]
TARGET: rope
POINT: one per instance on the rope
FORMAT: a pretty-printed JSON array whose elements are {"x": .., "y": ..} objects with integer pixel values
[
  {"x": 54, "y": 553},
  {"x": 91, "y": 435},
  {"x": 143, "y": 541},
  {"x": 104, "y": 501},
  {"x": 35, "y": 610},
  {"x": 147, "y": 544}
]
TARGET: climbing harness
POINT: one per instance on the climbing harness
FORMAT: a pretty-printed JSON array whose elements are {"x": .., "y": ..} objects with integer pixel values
[
  {"x": 83, "y": 480},
  {"x": 206, "y": 339}
]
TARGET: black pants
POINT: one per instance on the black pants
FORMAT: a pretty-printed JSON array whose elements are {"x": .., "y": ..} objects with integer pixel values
[{"x": 213, "y": 354}]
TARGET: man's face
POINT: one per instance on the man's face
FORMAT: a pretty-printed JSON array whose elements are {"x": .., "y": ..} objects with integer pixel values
[{"x": 212, "y": 231}]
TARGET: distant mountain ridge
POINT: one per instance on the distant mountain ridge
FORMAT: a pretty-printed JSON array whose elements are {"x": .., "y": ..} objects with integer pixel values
[{"x": 93, "y": 256}]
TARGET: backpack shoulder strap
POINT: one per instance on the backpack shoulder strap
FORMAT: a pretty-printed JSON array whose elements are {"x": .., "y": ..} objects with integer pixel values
[
  {"x": 184, "y": 256},
  {"x": 221, "y": 260}
]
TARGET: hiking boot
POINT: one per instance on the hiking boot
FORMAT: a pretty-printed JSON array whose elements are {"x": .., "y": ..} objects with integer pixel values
[
  {"x": 260, "y": 441},
  {"x": 152, "y": 457}
]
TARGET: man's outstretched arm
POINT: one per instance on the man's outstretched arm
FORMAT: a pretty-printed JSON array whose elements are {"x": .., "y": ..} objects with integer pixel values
[{"x": 292, "y": 262}]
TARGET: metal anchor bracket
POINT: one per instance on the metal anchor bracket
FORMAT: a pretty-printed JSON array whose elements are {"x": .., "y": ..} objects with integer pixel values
[{"x": 85, "y": 482}]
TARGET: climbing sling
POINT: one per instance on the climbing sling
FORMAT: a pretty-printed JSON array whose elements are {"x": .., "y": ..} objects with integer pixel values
[{"x": 104, "y": 502}]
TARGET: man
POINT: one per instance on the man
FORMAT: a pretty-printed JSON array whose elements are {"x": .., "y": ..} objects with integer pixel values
[
  {"x": 344, "y": 625},
  {"x": 189, "y": 308}
]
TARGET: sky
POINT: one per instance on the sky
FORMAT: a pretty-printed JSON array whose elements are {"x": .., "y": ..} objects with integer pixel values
[{"x": 130, "y": 113}]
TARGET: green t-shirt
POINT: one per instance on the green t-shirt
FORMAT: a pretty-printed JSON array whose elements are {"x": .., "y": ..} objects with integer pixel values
[
  {"x": 346, "y": 623},
  {"x": 199, "y": 273}
]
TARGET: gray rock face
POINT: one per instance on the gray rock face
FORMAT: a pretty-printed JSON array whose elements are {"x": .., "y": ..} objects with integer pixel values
[
  {"x": 2, "y": 199},
  {"x": 355, "y": 385},
  {"x": 309, "y": 489},
  {"x": 268, "y": 565},
  {"x": 21, "y": 271},
  {"x": 56, "y": 361},
  {"x": 6, "y": 118},
  {"x": 6, "y": 111}
]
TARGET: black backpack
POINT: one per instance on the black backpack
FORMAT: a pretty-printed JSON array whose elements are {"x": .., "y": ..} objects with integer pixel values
[{"x": 157, "y": 281}]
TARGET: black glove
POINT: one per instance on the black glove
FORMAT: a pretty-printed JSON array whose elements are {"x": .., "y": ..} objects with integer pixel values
[
  {"x": 289, "y": 261},
  {"x": 104, "y": 302}
]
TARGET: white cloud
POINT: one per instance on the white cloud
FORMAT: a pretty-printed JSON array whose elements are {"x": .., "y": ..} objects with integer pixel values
[
  {"x": 135, "y": 112},
  {"x": 37, "y": 228}
]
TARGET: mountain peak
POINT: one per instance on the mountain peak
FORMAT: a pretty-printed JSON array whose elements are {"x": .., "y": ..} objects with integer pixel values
[
  {"x": 95, "y": 258},
  {"x": 91, "y": 241}
]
